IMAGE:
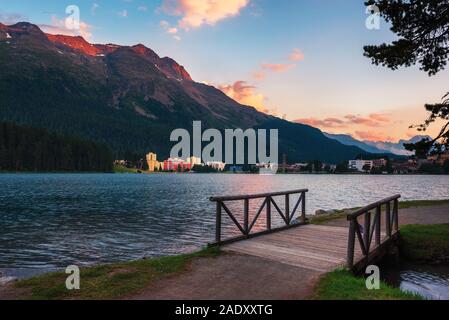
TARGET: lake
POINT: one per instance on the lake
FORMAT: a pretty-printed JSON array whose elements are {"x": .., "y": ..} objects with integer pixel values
[{"x": 50, "y": 221}]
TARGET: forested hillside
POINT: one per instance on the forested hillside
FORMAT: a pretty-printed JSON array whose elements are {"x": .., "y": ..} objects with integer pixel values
[{"x": 29, "y": 149}]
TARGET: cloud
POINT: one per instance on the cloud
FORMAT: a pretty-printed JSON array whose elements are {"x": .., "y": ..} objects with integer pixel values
[
  {"x": 170, "y": 30},
  {"x": 245, "y": 94},
  {"x": 259, "y": 75},
  {"x": 11, "y": 18},
  {"x": 142, "y": 8},
  {"x": 360, "y": 126},
  {"x": 123, "y": 13},
  {"x": 373, "y": 120},
  {"x": 323, "y": 123},
  {"x": 296, "y": 55},
  {"x": 63, "y": 26},
  {"x": 373, "y": 136},
  {"x": 278, "y": 67},
  {"x": 195, "y": 13}
]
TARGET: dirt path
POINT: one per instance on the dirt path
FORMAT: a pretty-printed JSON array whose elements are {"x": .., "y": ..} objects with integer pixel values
[{"x": 232, "y": 276}]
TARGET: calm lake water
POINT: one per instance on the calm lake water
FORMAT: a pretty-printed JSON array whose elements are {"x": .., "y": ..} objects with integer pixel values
[{"x": 49, "y": 221}]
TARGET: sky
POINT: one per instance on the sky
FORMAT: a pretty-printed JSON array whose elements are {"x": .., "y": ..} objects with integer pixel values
[{"x": 301, "y": 60}]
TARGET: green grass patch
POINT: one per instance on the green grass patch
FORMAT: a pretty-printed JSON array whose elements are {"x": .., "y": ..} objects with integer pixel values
[
  {"x": 343, "y": 285},
  {"x": 425, "y": 243},
  {"x": 109, "y": 281},
  {"x": 122, "y": 169},
  {"x": 421, "y": 203},
  {"x": 337, "y": 215}
]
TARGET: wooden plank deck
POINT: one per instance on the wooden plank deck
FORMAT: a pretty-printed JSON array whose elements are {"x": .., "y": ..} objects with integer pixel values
[{"x": 313, "y": 247}]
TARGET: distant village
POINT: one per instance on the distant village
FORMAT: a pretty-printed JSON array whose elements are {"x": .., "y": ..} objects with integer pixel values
[{"x": 435, "y": 164}]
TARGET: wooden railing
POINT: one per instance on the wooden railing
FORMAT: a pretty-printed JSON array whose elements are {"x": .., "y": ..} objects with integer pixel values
[
  {"x": 371, "y": 229},
  {"x": 268, "y": 204}
]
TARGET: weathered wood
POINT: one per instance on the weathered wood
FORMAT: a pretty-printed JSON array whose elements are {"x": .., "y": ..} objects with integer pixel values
[
  {"x": 246, "y": 216},
  {"x": 378, "y": 224},
  {"x": 299, "y": 247},
  {"x": 218, "y": 223},
  {"x": 372, "y": 227},
  {"x": 372, "y": 206},
  {"x": 318, "y": 248},
  {"x": 388, "y": 218},
  {"x": 268, "y": 213},
  {"x": 257, "y": 196},
  {"x": 396, "y": 214},
  {"x": 351, "y": 244},
  {"x": 367, "y": 231},
  {"x": 303, "y": 209}
]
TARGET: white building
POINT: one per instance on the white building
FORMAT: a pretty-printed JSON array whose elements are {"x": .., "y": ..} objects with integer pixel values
[
  {"x": 220, "y": 166},
  {"x": 361, "y": 165},
  {"x": 194, "y": 161}
]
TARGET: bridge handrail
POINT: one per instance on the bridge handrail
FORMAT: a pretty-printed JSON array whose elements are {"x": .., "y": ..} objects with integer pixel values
[
  {"x": 372, "y": 228},
  {"x": 372, "y": 206},
  {"x": 287, "y": 214}
]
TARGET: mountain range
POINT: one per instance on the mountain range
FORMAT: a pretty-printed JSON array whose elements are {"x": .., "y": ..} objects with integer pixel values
[
  {"x": 128, "y": 97},
  {"x": 377, "y": 147}
]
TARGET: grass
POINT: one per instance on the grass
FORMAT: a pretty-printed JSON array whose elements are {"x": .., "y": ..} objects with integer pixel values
[
  {"x": 341, "y": 214},
  {"x": 108, "y": 281},
  {"x": 421, "y": 203},
  {"x": 343, "y": 285},
  {"x": 425, "y": 243},
  {"x": 122, "y": 169}
]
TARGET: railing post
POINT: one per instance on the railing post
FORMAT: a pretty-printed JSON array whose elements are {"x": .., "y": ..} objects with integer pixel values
[
  {"x": 378, "y": 224},
  {"x": 303, "y": 207},
  {"x": 388, "y": 219},
  {"x": 218, "y": 223},
  {"x": 268, "y": 213},
  {"x": 287, "y": 208},
  {"x": 367, "y": 232},
  {"x": 396, "y": 215},
  {"x": 246, "y": 216},
  {"x": 351, "y": 244}
]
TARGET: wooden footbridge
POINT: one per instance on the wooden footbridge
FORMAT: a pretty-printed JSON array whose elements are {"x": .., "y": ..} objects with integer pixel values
[{"x": 293, "y": 241}]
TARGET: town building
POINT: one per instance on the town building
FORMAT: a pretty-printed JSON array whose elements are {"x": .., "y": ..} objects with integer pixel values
[
  {"x": 361, "y": 165},
  {"x": 219, "y": 166},
  {"x": 194, "y": 161},
  {"x": 153, "y": 164},
  {"x": 439, "y": 159},
  {"x": 379, "y": 163},
  {"x": 176, "y": 164}
]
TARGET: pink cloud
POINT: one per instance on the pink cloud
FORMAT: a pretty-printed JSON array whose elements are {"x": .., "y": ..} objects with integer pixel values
[
  {"x": 296, "y": 55},
  {"x": 373, "y": 120},
  {"x": 278, "y": 67},
  {"x": 245, "y": 94},
  {"x": 259, "y": 75},
  {"x": 323, "y": 123},
  {"x": 196, "y": 13},
  {"x": 373, "y": 136}
]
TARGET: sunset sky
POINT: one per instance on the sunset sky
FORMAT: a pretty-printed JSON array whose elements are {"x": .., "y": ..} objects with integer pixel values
[{"x": 302, "y": 60}]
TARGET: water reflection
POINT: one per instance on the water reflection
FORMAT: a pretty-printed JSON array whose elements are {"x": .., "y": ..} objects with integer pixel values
[{"x": 430, "y": 282}]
